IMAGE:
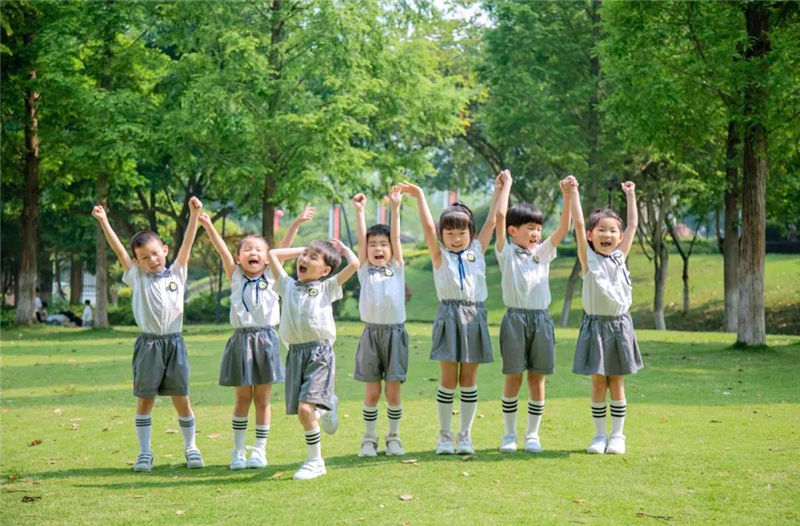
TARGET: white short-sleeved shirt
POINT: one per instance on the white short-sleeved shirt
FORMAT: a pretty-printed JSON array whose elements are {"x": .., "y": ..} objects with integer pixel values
[
  {"x": 87, "y": 314},
  {"x": 254, "y": 302},
  {"x": 606, "y": 285},
  {"x": 307, "y": 309},
  {"x": 447, "y": 281},
  {"x": 526, "y": 274},
  {"x": 383, "y": 294},
  {"x": 157, "y": 298}
]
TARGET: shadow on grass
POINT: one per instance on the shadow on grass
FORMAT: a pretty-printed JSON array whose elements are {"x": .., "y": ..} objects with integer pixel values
[{"x": 221, "y": 474}]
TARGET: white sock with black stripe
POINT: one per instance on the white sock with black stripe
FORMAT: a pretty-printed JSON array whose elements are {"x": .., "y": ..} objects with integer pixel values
[
  {"x": 370, "y": 415},
  {"x": 510, "y": 414},
  {"x": 469, "y": 404},
  {"x": 262, "y": 433},
  {"x": 394, "y": 413},
  {"x": 313, "y": 443},
  {"x": 535, "y": 411},
  {"x": 144, "y": 428},
  {"x": 444, "y": 406},
  {"x": 599, "y": 417},
  {"x": 618, "y": 410},
  {"x": 239, "y": 425},
  {"x": 187, "y": 428}
]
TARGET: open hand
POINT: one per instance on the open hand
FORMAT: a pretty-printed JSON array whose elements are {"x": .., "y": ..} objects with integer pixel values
[
  {"x": 395, "y": 196},
  {"x": 307, "y": 214},
  {"x": 410, "y": 189}
]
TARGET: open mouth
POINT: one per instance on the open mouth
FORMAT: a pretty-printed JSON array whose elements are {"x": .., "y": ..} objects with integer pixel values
[
  {"x": 252, "y": 261},
  {"x": 378, "y": 257},
  {"x": 301, "y": 269},
  {"x": 606, "y": 244}
]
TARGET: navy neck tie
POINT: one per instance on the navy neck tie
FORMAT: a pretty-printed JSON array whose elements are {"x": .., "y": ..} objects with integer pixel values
[{"x": 255, "y": 282}]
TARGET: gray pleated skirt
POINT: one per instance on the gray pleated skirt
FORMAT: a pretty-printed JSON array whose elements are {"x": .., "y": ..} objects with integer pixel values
[
  {"x": 252, "y": 357},
  {"x": 461, "y": 333},
  {"x": 607, "y": 345}
]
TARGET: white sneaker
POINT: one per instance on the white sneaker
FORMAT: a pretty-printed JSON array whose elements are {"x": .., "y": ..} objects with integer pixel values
[
  {"x": 330, "y": 418},
  {"x": 144, "y": 462},
  {"x": 369, "y": 447},
  {"x": 508, "y": 444},
  {"x": 311, "y": 469},
  {"x": 598, "y": 445},
  {"x": 194, "y": 459},
  {"x": 532, "y": 444},
  {"x": 616, "y": 444},
  {"x": 394, "y": 446},
  {"x": 258, "y": 457},
  {"x": 444, "y": 445},
  {"x": 238, "y": 459},
  {"x": 464, "y": 444}
]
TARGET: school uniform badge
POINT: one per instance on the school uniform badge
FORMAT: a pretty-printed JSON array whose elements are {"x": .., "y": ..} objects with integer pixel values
[
  {"x": 470, "y": 256},
  {"x": 313, "y": 291},
  {"x": 388, "y": 272},
  {"x": 262, "y": 285},
  {"x": 172, "y": 286},
  {"x": 535, "y": 258}
]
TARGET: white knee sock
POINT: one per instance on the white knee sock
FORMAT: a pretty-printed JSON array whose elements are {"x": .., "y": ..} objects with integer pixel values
[
  {"x": 187, "y": 428},
  {"x": 144, "y": 428},
  {"x": 394, "y": 413},
  {"x": 535, "y": 410},
  {"x": 444, "y": 405},
  {"x": 510, "y": 414},
  {"x": 313, "y": 443},
  {"x": 618, "y": 410},
  {"x": 370, "y": 415},
  {"x": 599, "y": 417},
  {"x": 469, "y": 404},
  {"x": 239, "y": 425},
  {"x": 262, "y": 433}
]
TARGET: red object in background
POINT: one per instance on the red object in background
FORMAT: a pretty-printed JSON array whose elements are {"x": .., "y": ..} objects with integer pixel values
[
  {"x": 453, "y": 197},
  {"x": 336, "y": 220},
  {"x": 276, "y": 220}
]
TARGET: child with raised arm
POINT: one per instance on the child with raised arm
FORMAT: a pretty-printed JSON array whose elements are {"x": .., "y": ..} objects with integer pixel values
[
  {"x": 307, "y": 327},
  {"x": 460, "y": 331},
  {"x": 160, "y": 361},
  {"x": 382, "y": 353},
  {"x": 607, "y": 348},
  {"x": 527, "y": 338},
  {"x": 251, "y": 362}
]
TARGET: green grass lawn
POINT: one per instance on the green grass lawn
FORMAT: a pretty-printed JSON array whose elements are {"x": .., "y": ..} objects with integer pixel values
[{"x": 713, "y": 437}]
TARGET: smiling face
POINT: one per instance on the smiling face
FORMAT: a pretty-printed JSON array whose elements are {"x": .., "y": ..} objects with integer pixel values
[
  {"x": 526, "y": 235},
  {"x": 311, "y": 266},
  {"x": 456, "y": 239},
  {"x": 606, "y": 235},
  {"x": 379, "y": 250},
  {"x": 252, "y": 256},
  {"x": 151, "y": 256}
]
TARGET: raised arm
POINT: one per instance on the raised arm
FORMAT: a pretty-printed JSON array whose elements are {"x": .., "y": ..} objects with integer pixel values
[
  {"x": 633, "y": 218},
  {"x": 359, "y": 202},
  {"x": 306, "y": 216},
  {"x": 395, "y": 198},
  {"x": 99, "y": 213},
  {"x": 352, "y": 262},
  {"x": 502, "y": 210},
  {"x": 566, "y": 213},
  {"x": 425, "y": 217},
  {"x": 195, "y": 206},
  {"x": 580, "y": 225},
  {"x": 485, "y": 235},
  {"x": 228, "y": 262},
  {"x": 278, "y": 255}
]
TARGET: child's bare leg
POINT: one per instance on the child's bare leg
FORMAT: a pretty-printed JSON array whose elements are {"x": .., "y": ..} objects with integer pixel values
[
  {"x": 372, "y": 393},
  {"x": 394, "y": 407},
  {"x": 445, "y": 395},
  {"x": 244, "y": 396},
  {"x": 512, "y": 384},
  {"x": 393, "y": 393},
  {"x": 185, "y": 420},
  {"x": 536, "y": 386},
  {"x": 144, "y": 406}
]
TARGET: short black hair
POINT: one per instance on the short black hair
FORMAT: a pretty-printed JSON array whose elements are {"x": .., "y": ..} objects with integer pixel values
[
  {"x": 379, "y": 230},
  {"x": 329, "y": 253},
  {"x": 522, "y": 214},
  {"x": 455, "y": 217},
  {"x": 142, "y": 238},
  {"x": 87, "y": 302}
]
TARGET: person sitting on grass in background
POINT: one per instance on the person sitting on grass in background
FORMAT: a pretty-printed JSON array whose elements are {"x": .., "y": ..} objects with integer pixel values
[
  {"x": 527, "y": 336},
  {"x": 160, "y": 361},
  {"x": 460, "y": 331},
  {"x": 607, "y": 348},
  {"x": 87, "y": 319},
  {"x": 307, "y": 327},
  {"x": 382, "y": 353},
  {"x": 251, "y": 362}
]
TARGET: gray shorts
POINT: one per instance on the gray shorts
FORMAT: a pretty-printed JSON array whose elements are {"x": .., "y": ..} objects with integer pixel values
[
  {"x": 252, "y": 357},
  {"x": 527, "y": 341},
  {"x": 160, "y": 366},
  {"x": 309, "y": 375},
  {"x": 607, "y": 345},
  {"x": 461, "y": 333},
  {"x": 382, "y": 353}
]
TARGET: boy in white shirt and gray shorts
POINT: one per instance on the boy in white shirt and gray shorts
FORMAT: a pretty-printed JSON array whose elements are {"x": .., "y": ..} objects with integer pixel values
[{"x": 160, "y": 362}]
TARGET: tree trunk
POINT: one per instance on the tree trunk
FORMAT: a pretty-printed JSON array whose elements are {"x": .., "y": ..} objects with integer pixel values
[
  {"x": 570, "y": 292},
  {"x": 730, "y": 243},
  {"x": 45, "y": 276},
  {"x": 660, "y": 263},
  {"x": 268, "y": 209},
  {"x": 101, "y": 255},
  {"x": 75, "y": 279},
  {"x": 29, "y": 235},
  {"x": 751, "y": 330}
]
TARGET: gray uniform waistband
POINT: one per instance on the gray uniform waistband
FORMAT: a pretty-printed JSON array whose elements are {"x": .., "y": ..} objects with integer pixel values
[
  {"x": 254, "y": 329},
  {"x": 466, "y": 303},
  {"x": 517, "y": 310},
  {"x": 151, "y": 336},
  {"x": 383, "y": 325},
  {"x": 605, "y": 317},
  {"x": 308, "y": 345}
]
